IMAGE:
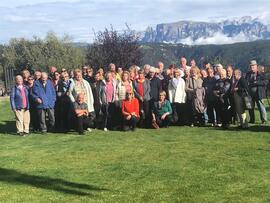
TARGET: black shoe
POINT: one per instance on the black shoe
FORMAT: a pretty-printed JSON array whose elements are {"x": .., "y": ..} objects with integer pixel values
[
  {"x": 252, "y": 122},
  {"x": 133, "y": 129},
  {"x": 81, "y": 133},
  {"x": 126, "y": 128},
  {"x": 225, "y": 126},
  {"x": 20, "y": 134}
]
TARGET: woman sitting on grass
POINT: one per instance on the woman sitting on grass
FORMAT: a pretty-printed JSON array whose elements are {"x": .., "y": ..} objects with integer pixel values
[
  {"x": 130, "y": 112},
  {"x": 161, "y": 112},
  {"x": 81, "y": 114}
]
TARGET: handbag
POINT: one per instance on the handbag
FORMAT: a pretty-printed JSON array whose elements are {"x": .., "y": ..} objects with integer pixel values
[{"x": 247, "y": 101}]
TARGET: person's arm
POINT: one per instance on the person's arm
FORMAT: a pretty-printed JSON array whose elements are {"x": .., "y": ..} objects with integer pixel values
[
  {"x": 136, "y": 108},
  {"x": 123, "y": 110},
  {"x": 148, "y": 87},
  {"x": 137, "y": 95},
  {"x": 168, "y": 106},
  {"x": 12, "y": 99},
  {"x": 81, "y": 112},
  {"x": 91, "y": 98},
  {"x": 153, "y": 110},
  {"x": 36, "y": 91},
  {"x": 53, "y": 92},
  {"x": 154, "y": 117},
  {"x": 225, "y": 88},
  {"x": 159, "y": 85},
  {"x": 263, "y": 81},
  {"x": 188, "y": 89},
  {"x": 71, "y": 87}
]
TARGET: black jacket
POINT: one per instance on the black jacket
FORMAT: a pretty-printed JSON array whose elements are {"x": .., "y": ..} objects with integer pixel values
[
  {"x": 156, "y": 87},
  {"x": 260, "y": 82},
  {"x": 242, "y": 86}
]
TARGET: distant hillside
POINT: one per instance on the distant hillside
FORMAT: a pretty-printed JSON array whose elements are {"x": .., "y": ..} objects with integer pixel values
[
  {"x": 238, "y": 54},
  {"x": 244, "y": 29}
]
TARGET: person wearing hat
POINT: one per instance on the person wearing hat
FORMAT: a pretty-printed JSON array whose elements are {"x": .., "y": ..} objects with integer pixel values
[{"x": 257, "y": 83}]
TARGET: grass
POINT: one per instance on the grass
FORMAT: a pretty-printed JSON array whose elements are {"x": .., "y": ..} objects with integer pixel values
[{"x": 179, "y": 164}]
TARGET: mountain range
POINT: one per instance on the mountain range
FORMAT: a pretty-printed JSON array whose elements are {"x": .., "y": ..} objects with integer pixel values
[{"x": 244, "y": 29}]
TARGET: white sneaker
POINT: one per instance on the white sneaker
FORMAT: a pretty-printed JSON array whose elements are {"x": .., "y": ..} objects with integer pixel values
[
  {"x": 105, "y": 129},
  {"x": 89, "y": 129}
]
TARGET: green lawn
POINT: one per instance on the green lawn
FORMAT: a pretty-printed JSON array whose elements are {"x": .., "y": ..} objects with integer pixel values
[{"x": 179, "y": 164}]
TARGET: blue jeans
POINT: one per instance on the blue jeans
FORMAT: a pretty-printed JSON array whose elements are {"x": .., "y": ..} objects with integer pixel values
[{"x": 261, "y": 109}]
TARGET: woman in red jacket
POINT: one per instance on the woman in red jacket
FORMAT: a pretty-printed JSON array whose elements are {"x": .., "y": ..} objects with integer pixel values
[{"x": 130, "y": 111}]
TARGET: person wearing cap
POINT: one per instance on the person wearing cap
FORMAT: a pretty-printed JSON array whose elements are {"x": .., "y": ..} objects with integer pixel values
[
  {"x": 20, "y": 106},
  {"x": 130, "y": 111},
  {"x": 257, "y": 83}
]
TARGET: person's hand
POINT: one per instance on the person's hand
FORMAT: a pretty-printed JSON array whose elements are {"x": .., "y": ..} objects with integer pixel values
[
  {"x": 236, "y": 89},
  {"x": 128, "y": 117},
  {"x": 163, "y": 116},
  {"x": 141, "y": 98},
  {"x": 39, "y": 101},
  {"x": 133, "y": 114},
  {"x": 215, "y": 93}
]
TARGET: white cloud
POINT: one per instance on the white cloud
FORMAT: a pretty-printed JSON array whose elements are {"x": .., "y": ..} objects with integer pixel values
[
  {"x": 32, "y": 17},
  {"x": 218, "y": 38}
]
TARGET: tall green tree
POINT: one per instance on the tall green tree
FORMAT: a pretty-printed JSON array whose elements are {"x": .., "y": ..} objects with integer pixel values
[{"x": 42, "y": 53}]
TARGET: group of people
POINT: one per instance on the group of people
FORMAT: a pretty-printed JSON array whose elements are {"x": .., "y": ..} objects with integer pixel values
[{"x": 148, "y": 97}]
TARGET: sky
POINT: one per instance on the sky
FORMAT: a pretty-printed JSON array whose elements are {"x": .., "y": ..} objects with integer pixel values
[{"x": 80, "y": 19}]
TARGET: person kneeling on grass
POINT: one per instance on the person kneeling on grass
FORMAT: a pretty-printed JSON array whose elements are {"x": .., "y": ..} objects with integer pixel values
[
  {"x": 130, "y": 111},
  {"x": 161, "y": 112},
  {"x": 81, "y": 114}
]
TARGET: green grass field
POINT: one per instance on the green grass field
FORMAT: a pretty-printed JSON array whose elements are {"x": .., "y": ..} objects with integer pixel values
[{"x": 179, "y": 164}]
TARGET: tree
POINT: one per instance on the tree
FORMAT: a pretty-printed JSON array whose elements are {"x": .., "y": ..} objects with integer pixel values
[
  {"x": 110, "y": 46},
  {"x": 42, "y": 54}
]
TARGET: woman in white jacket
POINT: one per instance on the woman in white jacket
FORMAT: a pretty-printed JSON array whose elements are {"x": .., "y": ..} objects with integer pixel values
[
  {"x": 177, "y": 95},
  {"x": 124, "y": 86}
]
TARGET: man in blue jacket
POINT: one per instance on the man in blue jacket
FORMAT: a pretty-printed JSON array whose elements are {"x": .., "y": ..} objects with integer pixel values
[{"x": 45, "y": 96}]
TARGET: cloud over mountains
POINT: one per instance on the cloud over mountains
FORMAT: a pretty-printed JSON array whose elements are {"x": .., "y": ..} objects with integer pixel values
[{"x": 79, "y": 18}]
